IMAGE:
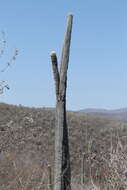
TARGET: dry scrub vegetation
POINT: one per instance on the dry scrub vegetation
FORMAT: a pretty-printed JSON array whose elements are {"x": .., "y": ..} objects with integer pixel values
[{"x": 27, "y": 149}]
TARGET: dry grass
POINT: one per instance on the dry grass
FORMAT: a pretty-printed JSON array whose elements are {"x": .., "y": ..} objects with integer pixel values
[
  {"x": 27, "y": 145},
  {"x": 22, "y": 176}
]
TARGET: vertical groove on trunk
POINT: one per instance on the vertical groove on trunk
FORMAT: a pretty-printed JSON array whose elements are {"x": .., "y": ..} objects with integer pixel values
[{"x": 62, "y": 172}]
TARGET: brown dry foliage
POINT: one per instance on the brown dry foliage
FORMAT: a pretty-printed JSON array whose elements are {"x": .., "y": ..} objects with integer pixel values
[{"x": 27, "y": 147}]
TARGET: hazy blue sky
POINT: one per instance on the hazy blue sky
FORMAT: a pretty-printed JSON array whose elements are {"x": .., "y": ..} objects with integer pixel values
[{"x": 97, "y": 75}]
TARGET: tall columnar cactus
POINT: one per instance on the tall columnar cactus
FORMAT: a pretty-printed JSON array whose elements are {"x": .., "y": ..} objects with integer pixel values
[
  {"x": 83, "y": 171},
  {"x": 62, "y": 173},
  {"x": 50, "y": 183}
]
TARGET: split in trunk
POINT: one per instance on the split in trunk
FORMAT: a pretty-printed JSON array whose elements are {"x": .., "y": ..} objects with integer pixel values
[{"x": 62, "y": 172}]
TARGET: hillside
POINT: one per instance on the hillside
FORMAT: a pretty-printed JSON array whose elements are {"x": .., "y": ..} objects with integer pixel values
[
  {"x": 118, "y": 114},
  {"x": 27, "y": 143}
]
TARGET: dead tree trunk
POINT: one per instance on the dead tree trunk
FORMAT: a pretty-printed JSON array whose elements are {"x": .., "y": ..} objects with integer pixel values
[{"x": 62, "y": 173}]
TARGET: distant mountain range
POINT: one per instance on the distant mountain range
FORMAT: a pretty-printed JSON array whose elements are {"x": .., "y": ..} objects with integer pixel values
[
  {"x": 96, "y": 110},
  {"x": 117, "y": 114}
]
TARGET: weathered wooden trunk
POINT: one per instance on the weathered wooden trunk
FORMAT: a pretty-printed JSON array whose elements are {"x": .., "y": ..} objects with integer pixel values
[{"x": 62, "y": 172}]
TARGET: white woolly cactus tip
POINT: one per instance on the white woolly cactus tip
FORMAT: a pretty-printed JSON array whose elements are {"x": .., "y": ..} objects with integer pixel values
[{"x": 53, "y": 53}]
